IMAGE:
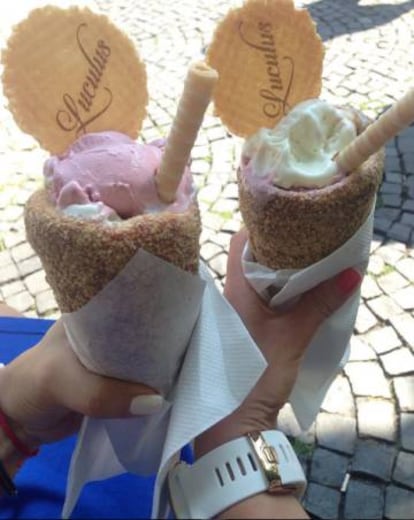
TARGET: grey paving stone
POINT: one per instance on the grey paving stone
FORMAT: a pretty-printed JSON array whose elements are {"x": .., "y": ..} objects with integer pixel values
[
  {"x": 400, "y": 232},
  {"x": 219, "y": 264},
  {"x": 364, "y": 501},
  {"x": 392, "y": 201},
  {"x": 225, "y": 206},
  {"x": 328, "y": 468},
  {"x": 9, "y": 273},
  {"x": 404, "y": 390},
  {"x": 383, "y": 339},
  {"x": 231, "y": 191},
  {"x": 370, "y": 288},
  {"x": 404, "y": 469},
  {"x": 392, "y": 163},
  {"x": 391, "y": 214},
  {"x": 404, "y": 325},
  {"x": 11, "y": 213},
  {"x": 399, "y": 503},
  {"x": 287, "y": 423},
  {"x": 391, "y": 253},
  {"x": 391, "y": 282},
  {"x": 404, "y": 298},
  {"x": 398, "y": 362},
  {"x": 407, "y": 431},
  {"x": 382, "y": 224},
  {"x": 376, "y": 243},
  {"x": 45, "y": 303},
  {"x": 361, "y": 351},
  {"x": 22, "y": 252},
  {"x": 12, "y": 288},
  {"x": 29, "y": 266},
  {"x": 232, "y": 226},
  {"x": 374, "y": 458},
  {"x": 5, "y": 260},
  {"x": 365, "y": 320},
  {"x": 406, "y": 267},
  {"x": 212, "y": 221},
  {"x": 209, "y": 250},
  {"x": 22, "y": 301},
  {"x": 384, "y": 307},
  {"x": 408, "y": 218},
  {"x": 36, "y": 282},
  {"x": 376, "y": 265},
  {"x": 336, "y": 432},
  {"x": 376, "y": 418},
  {"x": 394, "y": 178},
  {"x": 322, "y": 502},
  {"x": 367, "y": 379},
  {"x": 339, "y": 398},
  {"x": 391, "y": 188},
  {"x": 408, "y": 206}
]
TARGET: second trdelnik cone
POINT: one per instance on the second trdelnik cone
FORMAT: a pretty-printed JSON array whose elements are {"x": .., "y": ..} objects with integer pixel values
[{"x": 296, "y": 204}]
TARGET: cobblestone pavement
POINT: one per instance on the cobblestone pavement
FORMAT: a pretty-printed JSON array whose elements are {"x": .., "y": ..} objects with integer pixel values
[{"x": 359, "y": 455}]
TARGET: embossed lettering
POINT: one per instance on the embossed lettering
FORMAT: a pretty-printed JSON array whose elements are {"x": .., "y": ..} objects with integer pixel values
[
  {"x": 76, "y": 113},
  {"x": 274, "y": 104}
]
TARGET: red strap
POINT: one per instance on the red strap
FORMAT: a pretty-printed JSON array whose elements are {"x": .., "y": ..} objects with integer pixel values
[{"x": 17, "y": 443}]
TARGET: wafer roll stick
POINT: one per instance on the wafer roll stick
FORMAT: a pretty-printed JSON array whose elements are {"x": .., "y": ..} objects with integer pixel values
[
  {"x": 196, "y": 96},
  {"x": 387, "y": 126}
]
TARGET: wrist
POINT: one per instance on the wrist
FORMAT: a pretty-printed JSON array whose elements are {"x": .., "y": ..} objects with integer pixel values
[
  {"x": 254, "y": 465},
  {"x": 232, "y": 427}
]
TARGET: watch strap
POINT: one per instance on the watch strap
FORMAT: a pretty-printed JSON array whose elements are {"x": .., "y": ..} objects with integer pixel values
[{"x": 231, "y": 473}]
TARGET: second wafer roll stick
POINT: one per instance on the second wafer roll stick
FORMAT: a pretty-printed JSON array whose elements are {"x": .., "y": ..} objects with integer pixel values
[
  {"x": 196, "y": 96},
  {"x": 387, "y": 126}
]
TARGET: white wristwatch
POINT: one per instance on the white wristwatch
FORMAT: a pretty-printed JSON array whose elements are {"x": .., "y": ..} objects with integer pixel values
[{"x": 260, "y": 461}]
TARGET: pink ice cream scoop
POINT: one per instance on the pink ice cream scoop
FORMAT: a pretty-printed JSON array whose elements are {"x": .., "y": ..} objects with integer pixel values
[{"x": 111, "y": 169}]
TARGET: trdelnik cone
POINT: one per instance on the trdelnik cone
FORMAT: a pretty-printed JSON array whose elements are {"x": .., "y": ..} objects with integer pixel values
[{"x": 105, "y": 195}]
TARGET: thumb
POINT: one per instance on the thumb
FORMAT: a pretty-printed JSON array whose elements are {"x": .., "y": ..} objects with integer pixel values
[{"x": 316, "y": 305}]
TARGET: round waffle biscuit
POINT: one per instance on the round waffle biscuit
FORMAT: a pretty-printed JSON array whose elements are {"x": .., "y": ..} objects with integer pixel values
[
  {"x": 71, "y": 71},
  {"x": 269, "y": 58}
]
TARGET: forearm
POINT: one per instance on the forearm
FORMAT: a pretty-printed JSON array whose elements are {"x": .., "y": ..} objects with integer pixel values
[
  {"x": 265, "y": 505},
  {"x": 15, "y": 447}
]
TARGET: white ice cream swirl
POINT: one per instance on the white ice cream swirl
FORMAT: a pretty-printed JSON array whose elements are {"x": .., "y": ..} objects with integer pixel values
[{"x": 299, "y": 152}]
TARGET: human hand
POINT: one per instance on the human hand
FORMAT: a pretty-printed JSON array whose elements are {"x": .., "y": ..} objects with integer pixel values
[
  {"x": 46, "y": 392},
  {"x": 282, "y": 337}
]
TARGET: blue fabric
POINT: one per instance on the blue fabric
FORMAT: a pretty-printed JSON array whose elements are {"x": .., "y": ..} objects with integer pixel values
[{"x": 42, "y": 480}]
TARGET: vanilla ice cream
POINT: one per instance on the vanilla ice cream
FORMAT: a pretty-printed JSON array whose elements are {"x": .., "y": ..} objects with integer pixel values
[{"x": 300, "y": 151}]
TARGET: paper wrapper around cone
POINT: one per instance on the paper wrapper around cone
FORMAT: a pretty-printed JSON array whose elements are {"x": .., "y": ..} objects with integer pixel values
[
  {"x": 292, "y": 229},
  {"x": 80, "y": 257}
]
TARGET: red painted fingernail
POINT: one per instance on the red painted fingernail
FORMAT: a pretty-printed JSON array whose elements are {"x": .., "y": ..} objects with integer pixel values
[{"x": 348, "y": 281}]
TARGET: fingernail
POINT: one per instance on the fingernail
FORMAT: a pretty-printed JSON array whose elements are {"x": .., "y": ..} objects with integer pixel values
[
  {"x": 348, "y": 281},
  {"x": 146, "y": 404}
]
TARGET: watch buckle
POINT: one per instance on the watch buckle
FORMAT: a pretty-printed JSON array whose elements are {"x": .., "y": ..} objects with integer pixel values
[{"x": 268, "y": 460}]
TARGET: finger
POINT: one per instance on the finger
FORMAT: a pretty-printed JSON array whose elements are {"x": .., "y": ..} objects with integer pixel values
[
  {"x": 87, "y": 393},
  {"x": 318, "y": 304},
  {"x": 234, "y": 260},
  {"x": 237, "y": 289}
]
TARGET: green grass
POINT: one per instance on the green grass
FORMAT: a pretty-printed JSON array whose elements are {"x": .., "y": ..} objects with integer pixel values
[
  {"x": 387, "y": 269},
  {"x": 225, "y": 215},
  {"x": 302, "y": 448}
]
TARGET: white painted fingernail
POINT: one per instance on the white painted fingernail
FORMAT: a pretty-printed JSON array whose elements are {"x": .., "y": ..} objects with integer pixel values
[{"x": 146, "y": 404}]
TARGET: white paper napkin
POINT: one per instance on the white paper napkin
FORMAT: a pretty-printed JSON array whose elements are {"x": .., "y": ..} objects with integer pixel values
[
  {"x": 220, "y": 366},
  {"x": 328, "y": 350}
]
